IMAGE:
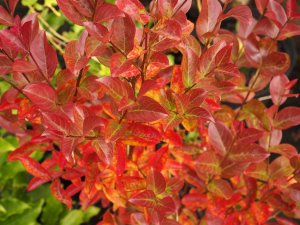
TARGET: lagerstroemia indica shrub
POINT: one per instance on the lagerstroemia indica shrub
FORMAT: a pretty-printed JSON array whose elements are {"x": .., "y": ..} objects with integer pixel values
[{"x": 152, "y": 142}]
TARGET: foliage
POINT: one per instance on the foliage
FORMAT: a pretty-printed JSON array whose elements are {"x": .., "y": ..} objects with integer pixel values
[{"x": 157, "y": 143}]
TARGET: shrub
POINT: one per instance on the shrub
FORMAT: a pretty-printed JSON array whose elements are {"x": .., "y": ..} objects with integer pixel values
[{"x": 153, "y": 141}]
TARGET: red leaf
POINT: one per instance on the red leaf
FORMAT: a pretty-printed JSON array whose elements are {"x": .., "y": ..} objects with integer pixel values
[
  {"x": 114, "y": 130},
  {"x": 120, "y": 66},
  {"x": 166, "y": 206},
  {"x": 167, "y": 7},
  {"x": 276, "y": 63},
  {"x": 84, "y": 7},
  {"x": 220, "y": 137},
  {"x": 41, "y": 95},
  {"x": 121, "y": 158},
  {"x": 253, "y": 153},
  {"x": 59, "y": 193},
  {"x": 156, "y": 182},
  {"x": 146, "y": 198},
  {"x": 189, "y": 68},
  {"x": 34, "y": 168},
  {"x": 23, "y": 66},
  {"x": 208, "y": 163},
  {"x": 220, "y": 188},
  {"x": 68, "y": 145},
  {"x": 117, "y": 89},
  {"x": 5, "y": 65},
  {"x": 135, "y": 9},
  {"x": 5, "y": 17},
  {"x": 208, "y": 19},
  {"x": 286, "y": 150},
  {"x": 249, "y": 135},
  {"x": 291, "y": 8},
  {"x": 12, "y": 5},
  {"x": 104, "y": 150},
  {"x": 148, "y": 110},
  {"x": 70, "y": 11},
  {"x": 287, "y": 117},
  {"x": 57, "y": 123},
  {"x": 123, "y": 33},
  {"x": 261, "y": 5},
  {"x": 12, "y": 41},
  {"x": 241, "y": 13},
  {"x": 278, "y": 89},
  {"x": 44, "y": 55},
  {"x": 97, "y": 30},
  {"x": 141, "y": 135},
  {"x": 106, "y": 11}
]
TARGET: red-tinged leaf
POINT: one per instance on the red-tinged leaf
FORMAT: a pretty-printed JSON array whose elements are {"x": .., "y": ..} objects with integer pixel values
[
  {"x": 289, "y": 30},
  {"x": 207, "y": 60},
  {"x": 75, "y": 60},
  {"x": 5, "y": 18},
  {"x": 261, "y": 212},
  {"x": 120, "y": 66},
  {"x": 92, "y": 122},
  {"x": 258, "y": 171},
  {"x": 5, "y": 65},
  {"x": 223, "y": 56},
  {"x": 291, "y": 8},
  {"x": 121, "y": 158},
  {"x": 84, "y": 7},
  {"x": 12, "y": 41},
  {"x": 135, "y": 9},
  {"x": 195, "y": 200},
  {"x": 169, "y": 29},
  {"x": 167, "y": 7},
  {"x": 278, "y": 89},
  {"x": 241, "y": 13},
  {"x": 44, "y": 55},
  {"x": 220, "y": 137},
  {"x": 174, "y": 185},
  {"x": 208, "y": 163},
  {"x": 97, "y": 30},
  {"x": 72, "y": 189},
  {"x": 146, "y": 199},
  {"x": 35, "y": 183},
  {"x": 106, "y": 11},
  {"x": 199, "y": 112},
  {"x": 249, "y": 135},
  {"x": 104, "y": 150},
  {"x": 183, "y": 6},
  {"x": 34, "y": 168},
  {"x": 141, "y": 135},
  {"x": 252, "y": 153},
  {"x": 166, "y": 206},
  {"x": 59, "y": 193},
  {"x": 12, "y": 5},
  {"x": 41, "y": 95},
  {"x": 208, "y": 19},
  {"x": 23, "y": 66},
  {"x": 148, "y": 110},
  {"x": 276, "y": 13},
  {"x": 261, "y": 5},
  {"x": 280, "y": 168},
  {"x": 70, "y": 11},
  {"x": 67, "y": 147},
  {"x": 148, "y": 85},
  {"x": 57, "y": 123},
  {"x": 158, "y": 159},
  {"x": 114, "y": 130},
  {"x": 116, "y": 88},
  {"x": 122, "y": 34},
  {"x": 170, "y": 222},
  {"x": 156, "y": 182},
  {"x": 275, "y": 64},
  {"x": 285, "y": 221},
  {"x": 189, "y": 68},
  {"x": 286, "y": 150},
  {"x": 287, "y": 117},
  {"x": 220, "y": 188}
]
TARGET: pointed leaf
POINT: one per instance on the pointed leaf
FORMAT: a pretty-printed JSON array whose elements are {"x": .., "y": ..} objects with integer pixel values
[
  {"x": 42, "y": 95},
  {"x": 5, "y": 17},
  {"x": 59, "y": 193},
  {"x": 146, "y": 198},
  {"x": 34, "y": 168},
  {"x": 287, "y": 117},
  {"x": 156, "y": 182}
]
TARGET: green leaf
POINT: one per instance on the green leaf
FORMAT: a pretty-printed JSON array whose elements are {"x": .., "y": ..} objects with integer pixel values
[
  {"x": 74, "y": 217},
  {"x": 5, "y": 146},
  {"x": 28, "y": 2},
  {"x": 90, "y": 212},
  {"x": 51, "y": 211},
  {"x": 12, "y": 206},
  {"x": 28, "y": 217}
]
